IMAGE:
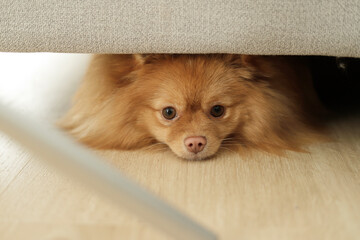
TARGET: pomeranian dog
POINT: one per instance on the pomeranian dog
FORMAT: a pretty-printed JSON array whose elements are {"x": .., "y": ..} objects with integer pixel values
[{"x": 195, "y": 104}]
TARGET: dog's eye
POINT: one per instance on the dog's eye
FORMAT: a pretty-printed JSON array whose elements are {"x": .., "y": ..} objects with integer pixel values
[
  {"x": 169, "y": 113},
  {"x": 217, "y": 111}
]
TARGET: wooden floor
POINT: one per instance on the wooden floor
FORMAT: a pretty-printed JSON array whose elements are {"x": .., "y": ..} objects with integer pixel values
[{"x": 300, "y": 196}]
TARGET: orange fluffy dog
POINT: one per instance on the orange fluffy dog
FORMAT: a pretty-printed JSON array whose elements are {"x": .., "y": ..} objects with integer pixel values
[{"x": 195, "y": 104}]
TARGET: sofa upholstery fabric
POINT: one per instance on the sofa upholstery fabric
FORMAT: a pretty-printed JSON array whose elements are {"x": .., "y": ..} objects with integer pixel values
[{"x": 295, "y": 27}]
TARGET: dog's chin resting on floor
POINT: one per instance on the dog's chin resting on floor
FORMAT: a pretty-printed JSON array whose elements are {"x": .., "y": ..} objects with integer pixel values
[{"x": 195, "y": 104}]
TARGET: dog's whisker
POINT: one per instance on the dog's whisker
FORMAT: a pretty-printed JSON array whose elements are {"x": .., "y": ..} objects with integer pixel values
[
  {"x": 228, "y": 149},
  {"x": 225, "y": 139},
  {"x": 156, "y": 146},
  {"x": 233, "y": 142}
]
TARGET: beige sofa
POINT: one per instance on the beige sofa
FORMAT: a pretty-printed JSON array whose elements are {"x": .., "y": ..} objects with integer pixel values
[{"x": 306, "y": 27}]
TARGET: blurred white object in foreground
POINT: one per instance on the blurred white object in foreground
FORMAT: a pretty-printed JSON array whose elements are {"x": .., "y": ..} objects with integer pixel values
[{"x": 57, "y": 149}]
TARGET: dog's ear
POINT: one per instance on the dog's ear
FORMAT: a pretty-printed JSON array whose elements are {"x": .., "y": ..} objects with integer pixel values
[
  {"x": 241, "y": 61},
  {"x": 142, "y": 59},
  {"x": 257, "y": 66},
  {"x": 250, "y": 67}
]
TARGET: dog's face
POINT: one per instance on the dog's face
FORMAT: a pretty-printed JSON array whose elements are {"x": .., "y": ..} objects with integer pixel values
[{"x": 194, "y": 103}]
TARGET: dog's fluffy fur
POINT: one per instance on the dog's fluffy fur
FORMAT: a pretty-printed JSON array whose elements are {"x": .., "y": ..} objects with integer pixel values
[{"x": 269, "y": 102}]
